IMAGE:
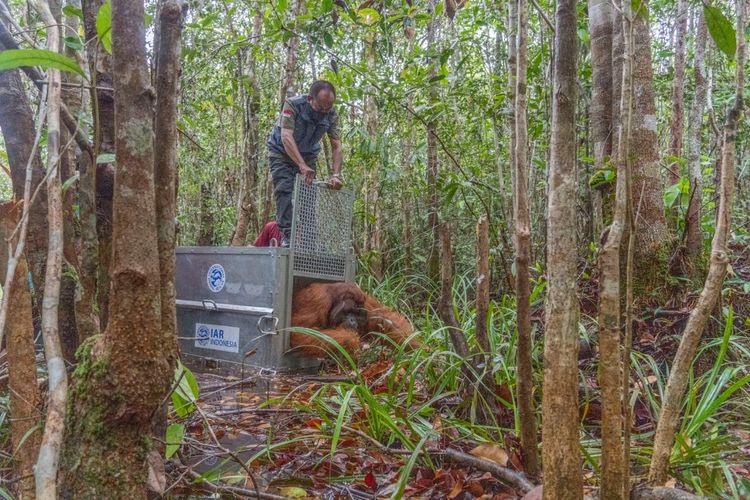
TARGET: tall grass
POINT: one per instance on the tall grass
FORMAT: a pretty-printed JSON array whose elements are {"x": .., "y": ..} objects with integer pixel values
[{"x": 422, "y": 394}]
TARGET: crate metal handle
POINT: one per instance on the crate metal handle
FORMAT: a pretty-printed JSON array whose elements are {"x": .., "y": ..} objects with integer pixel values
[
  {"x": 209, "y": 305},
  {"x": 272, "y": 330}
]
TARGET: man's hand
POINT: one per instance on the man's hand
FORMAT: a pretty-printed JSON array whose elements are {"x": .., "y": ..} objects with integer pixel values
[
  {"x": 307, "y": 173},
  {"x": 335, "y": 182}
]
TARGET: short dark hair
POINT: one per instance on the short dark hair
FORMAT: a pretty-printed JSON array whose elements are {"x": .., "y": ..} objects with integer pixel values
[{"x": 321, "y": 85}]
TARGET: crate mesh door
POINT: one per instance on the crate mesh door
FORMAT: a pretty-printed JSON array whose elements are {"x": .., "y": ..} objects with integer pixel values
[{"x": 321, "y": 230}]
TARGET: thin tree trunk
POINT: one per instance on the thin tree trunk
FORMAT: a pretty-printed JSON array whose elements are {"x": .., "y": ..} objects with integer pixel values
[
  {"x": 694, "y": 237},
  {"x": 433, "y": 201},
  {"x": 372, "y": 186},
  {"x": 17, "y": 123},
  {"x": 124, "y": 377},
  {"x": 45, "y": 471},
  {"x": 561, "y": 447},
  {"x": 601, "y": 17},
  {"x": 445, "y": 304},
  {"x": 25, "y": 396},
  {"x": 102, "y": 174},
  {"x": 678, "y": 376},
  {"x": 483, "y": 283},
  {"x": 72, "y": 98},
  {"x": 288, "y": 85},
  {"x": 524, "y": 377},
  {"x": 678, "y": 92},
  {"x": 165, "y": 158},
  {"x": 610, "y": 365},
  {"x": 246, "y": 212}
]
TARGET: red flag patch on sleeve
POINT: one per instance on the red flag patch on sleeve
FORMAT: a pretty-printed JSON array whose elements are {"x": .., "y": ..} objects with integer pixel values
[{"x": 287, "y": 112}]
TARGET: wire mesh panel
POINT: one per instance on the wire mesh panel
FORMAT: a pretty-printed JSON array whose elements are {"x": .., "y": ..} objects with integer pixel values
[{"x": 321, "y": 230}]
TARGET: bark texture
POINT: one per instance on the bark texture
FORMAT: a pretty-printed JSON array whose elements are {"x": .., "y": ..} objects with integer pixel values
[
  {"x": 678, "y": 92},
  {"x": 246, "y": 211},
  {"x": 653, "y": 236},
  {"x": 694, "y": 236},
  {"x": 610, "y": 326},
  {"x": 25, "y": 396},
  {"x": 560, "y": 450},
  {"x": 45, "y": 471},
  {"x": 433, "y": 201},
  {"x": 17, "y": 123},
  {"x": 522, "y": 220},
  {"x": 678, "y": 376},
  {"x": 601, "y": 18},
  {"x": 124, "y": 374}
]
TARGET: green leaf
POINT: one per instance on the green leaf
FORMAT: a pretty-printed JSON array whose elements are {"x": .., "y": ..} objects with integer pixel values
[
  {"x": 671, "y": 194},
  {"x": 368, "y": 16},
  {"x": 328, "y": 39},
  {"x": 105, "y": 158},
  {"x": 293, "y": 492},
  {"x": 73, "y": 42},
  {"x": 69, "y": 182},
  {"x": 15, "y": 58},
  {"x": 640, "y": 8},
  {"x": 72, "y": 11},
  {"x": 186, "y": 393},
  {"x": 327, "y": 6},
  {"x": 104, "y": 26},
  {"x": 281, "y": 7},
  {"x": 721, "y": 30},
  {"x": 175, "y": 433}
]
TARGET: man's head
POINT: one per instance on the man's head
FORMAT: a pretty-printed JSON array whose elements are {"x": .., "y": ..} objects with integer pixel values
[{"x": 322, "y": 96}]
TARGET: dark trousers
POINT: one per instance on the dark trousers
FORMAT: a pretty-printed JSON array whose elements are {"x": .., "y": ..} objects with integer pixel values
[{"x": 284, "y": 172}]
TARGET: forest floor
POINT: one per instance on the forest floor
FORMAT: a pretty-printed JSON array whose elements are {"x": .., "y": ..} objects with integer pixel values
[{"x": 295, "y": 437}]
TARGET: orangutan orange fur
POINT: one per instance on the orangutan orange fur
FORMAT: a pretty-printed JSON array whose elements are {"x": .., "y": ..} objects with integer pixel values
[{"x": 345, "y": 313}]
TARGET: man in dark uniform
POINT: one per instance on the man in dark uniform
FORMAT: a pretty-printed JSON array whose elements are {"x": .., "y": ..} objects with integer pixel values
[{"x": 294, "y": 145}]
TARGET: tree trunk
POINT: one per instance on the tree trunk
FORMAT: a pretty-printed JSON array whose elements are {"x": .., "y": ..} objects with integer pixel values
[
  {"x": 372, "y": 248},
  {"x": 433, "y": 201},
  {"x": 678, "y": 376},
  {"x": 611, "y": 365},
  {"x": 165, "y": 159},
  {"x": 524, "y": 377},
  {"x": 17, "y": 122},
  {"x": 71, "y": 97},
  {"x": 561, "y": 447},
  {"x": 694, "y": 236},
  {"x": 601, "y": 17},
  {"x": 96, "y": 256},
  {"x": 652, "y": 235},
  {"x": 246, "y": 210},
  {"x": 45, "y": 471},
  {"x": 678, "y": 92},
  {"x": 483, "y": 283},
  {"x": 287, "y": 84},
  {"x": 25, "y": 396},
  {"x": 206, "y": 237},
  {"x": 125, "y": 374}
]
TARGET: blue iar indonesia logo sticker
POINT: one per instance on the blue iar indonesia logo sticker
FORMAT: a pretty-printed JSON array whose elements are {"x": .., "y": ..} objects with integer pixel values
[
  {"x": 203, "y": 334},
  {"x": 216, "y": 278}
]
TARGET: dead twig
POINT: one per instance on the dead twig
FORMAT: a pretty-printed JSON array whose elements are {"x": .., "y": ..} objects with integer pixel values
[{"x": 512, "y": 478}]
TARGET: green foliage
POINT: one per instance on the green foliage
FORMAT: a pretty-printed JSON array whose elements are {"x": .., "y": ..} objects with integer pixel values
[
  {"x": 186, "y": 391},
  {"x": 16, "y": 58},
  {"x": 175, "y": 435},
  {"x": 104, "y": 25},
  {"x": 721, "y": 30}
]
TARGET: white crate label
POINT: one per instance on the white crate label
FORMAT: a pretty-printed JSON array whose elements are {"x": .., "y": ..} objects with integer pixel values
[{"x": 217, "y": 337}]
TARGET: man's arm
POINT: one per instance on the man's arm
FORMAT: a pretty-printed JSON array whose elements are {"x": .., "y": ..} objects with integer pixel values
[
  {"x": 287, "y": 139},
  {"x": 334, "y": 135}
]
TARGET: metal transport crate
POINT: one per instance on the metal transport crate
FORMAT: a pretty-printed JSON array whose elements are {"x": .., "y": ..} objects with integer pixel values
[{"x": 234, "y": 303}]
